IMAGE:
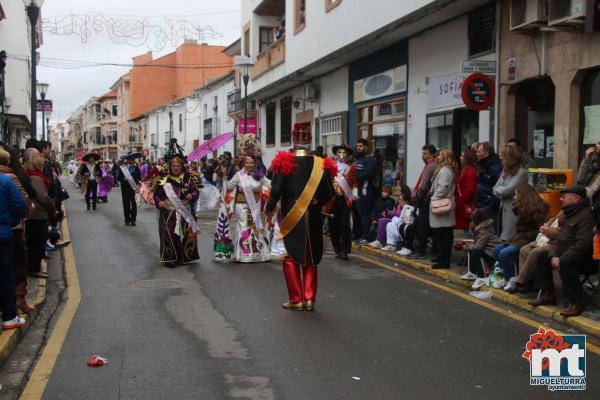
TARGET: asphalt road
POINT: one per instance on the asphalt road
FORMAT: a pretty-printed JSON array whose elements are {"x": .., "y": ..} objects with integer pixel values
[{"x": 217, "y": 331}]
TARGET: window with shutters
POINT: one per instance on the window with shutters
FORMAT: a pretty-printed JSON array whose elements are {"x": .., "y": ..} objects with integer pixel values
[
  {"x": 286, "y": 121},
  {"x": 271, "y": 110},
  {"x": 482, "y": 30}
]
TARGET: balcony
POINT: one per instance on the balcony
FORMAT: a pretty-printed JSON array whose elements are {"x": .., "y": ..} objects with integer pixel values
[
  {"x": 271, "y": 57},
  {"x": 235, "y": 103}
]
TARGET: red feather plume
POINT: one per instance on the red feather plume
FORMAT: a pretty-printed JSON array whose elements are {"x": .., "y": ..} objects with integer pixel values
[
  {"x": 330, "y": 165},
  {"x": 284, "y": 163}
]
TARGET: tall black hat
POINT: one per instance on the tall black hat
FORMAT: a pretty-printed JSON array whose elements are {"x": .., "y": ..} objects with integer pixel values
[
  {"x": 90, "y": 155},
  {"x": 175, "y": 152},
  {"x": 131, "y": 154}
]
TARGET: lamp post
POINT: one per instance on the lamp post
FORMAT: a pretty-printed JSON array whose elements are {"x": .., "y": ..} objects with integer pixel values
[
  {"x": 48, "y": 116},
  {"x": 43, "y": 89},
  {"x": 33, "y": 12},
  {"x": 243, "y": 63}
]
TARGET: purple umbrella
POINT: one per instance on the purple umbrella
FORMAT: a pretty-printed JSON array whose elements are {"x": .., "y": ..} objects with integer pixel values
[{"x": 210, "y": 145}]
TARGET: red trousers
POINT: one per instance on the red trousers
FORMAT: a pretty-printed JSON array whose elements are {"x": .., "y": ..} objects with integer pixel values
[{"x": 301, "y": 280}]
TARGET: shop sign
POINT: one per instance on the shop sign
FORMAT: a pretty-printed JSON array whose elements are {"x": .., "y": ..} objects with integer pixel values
[
  {"x": 383, "y": 84},
  {"x": 44, "y": 105},
  {"x": 251, "y": 127},
  {"x": 512, "y": 69},
  {"x": 478, "y": 92},
  {"x": 445, "y": 91},
  {"x": 483, "y": 67}
]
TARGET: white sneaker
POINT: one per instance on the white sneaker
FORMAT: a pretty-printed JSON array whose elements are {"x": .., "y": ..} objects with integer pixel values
[
  {"x": 389, "y": 247},
  {"x": 15, "y": 323},
  {"x": 469, "y": 276},
  {"x": 499, "y": 284},
  {"x": 479, "y": 282},
  {"x": 512, "y": 282},
  {"x": 595, "y": 286},
  {"x": 404, "y": 252},
  {"x": 376, "y": 244}
]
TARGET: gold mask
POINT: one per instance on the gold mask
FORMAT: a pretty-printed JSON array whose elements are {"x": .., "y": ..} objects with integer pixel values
[{"x": 341, "y": 154}]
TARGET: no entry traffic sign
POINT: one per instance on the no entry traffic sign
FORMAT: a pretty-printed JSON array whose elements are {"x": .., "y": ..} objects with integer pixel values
[{"x": 478, "y": 92}]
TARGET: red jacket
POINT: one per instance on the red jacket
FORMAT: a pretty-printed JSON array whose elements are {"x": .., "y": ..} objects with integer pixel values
[{"x": 465, "y": 197}]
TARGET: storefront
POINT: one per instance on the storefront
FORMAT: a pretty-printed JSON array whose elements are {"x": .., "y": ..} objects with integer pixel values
[
  {"x": 590, "y": 110},
  {"x": 534, "y": 120},
  {"x": 378, "y": 86}
]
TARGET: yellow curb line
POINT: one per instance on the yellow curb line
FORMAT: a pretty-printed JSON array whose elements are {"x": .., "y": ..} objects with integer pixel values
[
  {"x": 41, "y": 374},
  {"x": 581, "y": 323},
  {"x": 527, "y": 321}
]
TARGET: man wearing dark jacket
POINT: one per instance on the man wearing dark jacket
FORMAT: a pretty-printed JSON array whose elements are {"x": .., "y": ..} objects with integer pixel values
[
  {"x": 365, "y": 177},
  {"x": 571, "y": 255},
  {"x": 129, "y": 177},
  {"x": 490, "y": 169}
]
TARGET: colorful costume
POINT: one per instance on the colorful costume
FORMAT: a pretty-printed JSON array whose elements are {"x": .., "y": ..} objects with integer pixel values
[
  {"x": 89, "y": 174},
  {"x": 177, "y": 225},
  {"x": 303, "y": 184},
  {"x": 105, "y": 184}
]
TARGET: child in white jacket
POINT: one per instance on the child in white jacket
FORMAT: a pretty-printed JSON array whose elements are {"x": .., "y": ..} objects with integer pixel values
[{"x": 398, "y": 224}]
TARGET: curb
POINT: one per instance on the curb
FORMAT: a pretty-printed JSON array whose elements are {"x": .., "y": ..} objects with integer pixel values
[
  {"x": 10, "y": 338},
  {"x": 580, "y": 323}
]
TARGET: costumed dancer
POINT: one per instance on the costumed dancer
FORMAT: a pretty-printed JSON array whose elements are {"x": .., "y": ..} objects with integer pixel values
[
  {"x": 251, "y": 244},
  {"x": 303, "y": 184},
  {"x": 346, "y": 191},
  {"x": 106, "y": 183},
  {"x": 89, "y": 173},
  {"x": 173, "y": 196},
  {"x": 129, "y": 176}
]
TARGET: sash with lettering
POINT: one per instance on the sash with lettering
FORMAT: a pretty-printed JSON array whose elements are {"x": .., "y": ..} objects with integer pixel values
[
  {"x": 250, "y": 200},
  {"x": 340, "y": 179},
  {"x": 180, "y": 207},
  {"x": 293, "y": 216},
  {"x": 128, "y": 177}
]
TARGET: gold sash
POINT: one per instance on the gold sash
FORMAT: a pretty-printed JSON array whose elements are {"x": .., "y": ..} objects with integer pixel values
[{"x": 291, "y": 219}]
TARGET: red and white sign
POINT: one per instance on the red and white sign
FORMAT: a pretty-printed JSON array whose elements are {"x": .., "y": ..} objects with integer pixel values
[
  {"x": 478, "y": 92},
  {"x": 251, "y": 127}
]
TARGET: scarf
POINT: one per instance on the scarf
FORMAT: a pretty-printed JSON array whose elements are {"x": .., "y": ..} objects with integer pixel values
[
  {"x": 573, "y": 209},
  {"x": 32, "y": 172}
]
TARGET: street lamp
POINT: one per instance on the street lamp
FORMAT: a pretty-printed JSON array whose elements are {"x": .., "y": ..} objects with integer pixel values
[
  {"x": 48, "y": 116},
  {"x": 43, "y": 89},
  {"x": 243, "y": 63},
  {"x": 33, "y": 12}
]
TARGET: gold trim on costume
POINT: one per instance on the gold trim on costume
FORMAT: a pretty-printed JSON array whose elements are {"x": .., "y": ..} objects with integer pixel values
[
  {"x": 291, "y": 219},
  {"x": 302, "y": 153}
]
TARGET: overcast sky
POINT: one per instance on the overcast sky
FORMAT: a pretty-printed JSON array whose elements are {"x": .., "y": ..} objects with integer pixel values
[{"x": 70, "y": 88}]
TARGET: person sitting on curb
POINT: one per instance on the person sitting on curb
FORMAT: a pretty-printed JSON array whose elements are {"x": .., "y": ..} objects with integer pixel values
[
  {"x": 571, "y": 255},
  {"x": 384, "y": 211},
  {"x": 528, "y": 255},
  {"x": 484, "y": 233},
  {"x": 531, "y": 211}
]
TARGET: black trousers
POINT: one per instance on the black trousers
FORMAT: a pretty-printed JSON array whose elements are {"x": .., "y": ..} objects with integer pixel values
[
  {"x": 569, "y": 275},
  {"x": 356, "y": 222},
  {"x": 36, "y": 234},
  {"x": 8, "y": 295},
  {"x": 423, "y": 228},
  {"x": 443, "y": 240},
  {"x": 339, "y": 227},
  {"x": 407, "y": 234},
  {"x": 129, "y": 205},
  {"x": 91, "y": 194}
]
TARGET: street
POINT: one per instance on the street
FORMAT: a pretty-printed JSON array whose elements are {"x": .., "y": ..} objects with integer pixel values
[{"x": 217, "y": 331}]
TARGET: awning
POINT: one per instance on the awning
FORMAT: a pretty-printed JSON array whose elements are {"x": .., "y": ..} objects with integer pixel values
[{"x": 18, "y": 121}]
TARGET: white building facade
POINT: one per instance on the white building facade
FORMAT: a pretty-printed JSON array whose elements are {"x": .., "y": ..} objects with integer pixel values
[{"x": 345, "y": 76}]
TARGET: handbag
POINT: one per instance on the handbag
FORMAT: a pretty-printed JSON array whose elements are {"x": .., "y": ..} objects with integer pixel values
[{"x": 441, "y": 206}]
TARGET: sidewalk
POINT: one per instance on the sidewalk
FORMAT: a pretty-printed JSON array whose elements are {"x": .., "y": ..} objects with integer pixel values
[
  {"x": 36, "y": 296},
  {"x": 588, "y": 323}
]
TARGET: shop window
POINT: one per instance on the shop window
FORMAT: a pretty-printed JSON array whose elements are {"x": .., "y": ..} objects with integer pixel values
[
  {"x": 286, "y": 121},
  {"x": 383, "y": 125},
  {"x": 455, "y": 130},
  {"x": 299, "y": 15},
  {"x": 271, "y": 110},
  {"x": 331, "y": 131},
  {"x": 266, "y": 38},
  {"x": 439, "y": 130},
  {"x": 482, "y": 36},
  {"x": 590, "y": 109},
  {"x": 331, "y": 4}
]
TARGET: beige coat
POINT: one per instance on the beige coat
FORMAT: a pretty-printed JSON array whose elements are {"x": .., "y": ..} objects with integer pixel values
[{"x": 43, "y": 205}]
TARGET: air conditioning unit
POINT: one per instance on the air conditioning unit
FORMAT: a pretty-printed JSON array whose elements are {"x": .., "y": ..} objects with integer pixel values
[
  {"x": 527, "y": 14},
  {"x": 311, "y": 91},
  {"x": 566, "y": 12}
]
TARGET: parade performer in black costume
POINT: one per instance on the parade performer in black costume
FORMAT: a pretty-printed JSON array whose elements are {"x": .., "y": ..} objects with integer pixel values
[
  {"x": 345, "y": 193},
  {"x": 303, "y": 184},
  {"x": 129, "y": 176},
  {"x": 89, "y": 173}
]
